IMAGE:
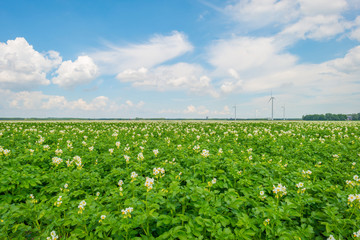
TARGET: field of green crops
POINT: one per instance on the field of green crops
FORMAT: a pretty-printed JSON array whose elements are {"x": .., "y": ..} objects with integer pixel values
[{"x": 179, "y": 180}]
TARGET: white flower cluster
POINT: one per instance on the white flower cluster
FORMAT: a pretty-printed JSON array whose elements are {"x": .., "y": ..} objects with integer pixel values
[
  {"x": 353, "y": 183},
  {"x": 134, "y": 175},
  {"x": 299, "y": 186},
  {"x": 157, "y": 171},
  {"x": 58, "y": 152},
  {"x": 53, "y": 235},
  {"x": 352, "y": 198},
  {"x": 331, "y": 237},
  {"x": 205, "y": 153},
  {"x": 280, "y": 190},
  {"x": 78, "y": 162},
  {"x": 149, "y": 183},
  {"x": 171, "y": 162},
  {"x": 120, "y": 183},
  {"x": 127, "y": 158},
  {"x": 127, "y": 212},
  {"x": 213, "y": 181},
  {"x": 356, "y": 234},
  {"x": 56, "y": 160},
  {"x": 102, "y": 218},
  {"x": 81, "y": 206},
  {"x": 306, "y": 173},
  {"x": 156, "y": 152},
  {"x": 58, "y": 201},
  {"x": 140, "y": 156},
  {"x": 41, "y": 140}
]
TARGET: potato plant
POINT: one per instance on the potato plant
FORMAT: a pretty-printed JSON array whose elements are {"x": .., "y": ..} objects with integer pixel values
[{"x": 179, "y": 180}]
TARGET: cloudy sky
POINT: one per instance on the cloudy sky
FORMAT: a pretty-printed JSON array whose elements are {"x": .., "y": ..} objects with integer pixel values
[{"x": 178, "y": 58}]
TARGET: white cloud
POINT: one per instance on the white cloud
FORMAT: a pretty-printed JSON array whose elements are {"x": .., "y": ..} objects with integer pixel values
[
  {"x": 98, "y": 103},
  {"x": 180, "y": 76},
  {"x": 157, "y": 50},
  {"x": 296, "y": 19},
  {"x": 241, "y": 58},
  {"x": 83, "y": 70},
  {"x": 322, "y": 7},
  {"x": 190, "y": 109},
  {"x": 23, "y": 67},
  {"x": 224, "y": 112},
  {"x": 316, "y": 27},
  {"x": 36, "y": 100},
  {"x": 348, "y": 64},
  {"x": 260, "y": 13},
  {"x": 241, "y": 54},
  {"x": 129, "y": 103},
  {"x": 338, "y": 77},
  {"x": 355, "y": 32},
  {"x": 38, "y": 104},
  {"x": 318, "y": 20}
]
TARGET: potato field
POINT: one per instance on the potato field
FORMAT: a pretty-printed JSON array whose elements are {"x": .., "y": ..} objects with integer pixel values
[{"x": 179, "y": 180}]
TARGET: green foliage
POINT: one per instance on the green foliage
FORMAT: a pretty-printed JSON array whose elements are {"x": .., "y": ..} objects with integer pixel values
[{"x": 64, "y": 177}]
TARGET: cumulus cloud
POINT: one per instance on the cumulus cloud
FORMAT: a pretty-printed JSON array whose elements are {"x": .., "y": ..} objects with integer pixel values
[
  {"x": 241, "y": 58},
  {"x": 157, "y": 50},
  {"x": 23, "y": 67},
  {"x": 180, "y": 76},
  {"x": 39, "y": 104},
  {"x": 83, "y": 70},
  {"x": 337, "y": 77},
  {"x": 348, "y": 64},
  {"x": 129, "y": 103},
  {"x": 190, "y": 109},
  {"x": 248, "y": 53},
  {"x": 36, "y": 100}
]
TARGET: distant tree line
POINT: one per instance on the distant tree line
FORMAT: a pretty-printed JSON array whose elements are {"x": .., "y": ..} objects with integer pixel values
[{"x": 332, "y": 117}]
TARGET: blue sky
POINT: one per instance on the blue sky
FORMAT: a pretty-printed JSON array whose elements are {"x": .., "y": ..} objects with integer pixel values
[{"x": 179, "y": 58}]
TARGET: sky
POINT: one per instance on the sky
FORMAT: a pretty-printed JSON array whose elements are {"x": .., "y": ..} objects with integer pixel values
[{"x": 179, "y": 58}]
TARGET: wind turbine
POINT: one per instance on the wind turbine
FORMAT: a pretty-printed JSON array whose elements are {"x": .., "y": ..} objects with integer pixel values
[
  {"x": 235, "y": 111},
  {"x": 272, "y": 106},
  {"x": 283, "y": 107}
]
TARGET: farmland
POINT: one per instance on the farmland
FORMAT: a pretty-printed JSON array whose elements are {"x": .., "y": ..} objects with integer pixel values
[{"x": 179, "y": 180}]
